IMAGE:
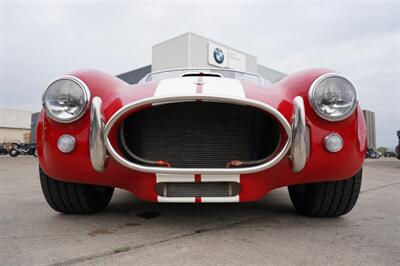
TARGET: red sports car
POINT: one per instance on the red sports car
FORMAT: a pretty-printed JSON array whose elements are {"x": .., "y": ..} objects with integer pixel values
[{"x": 200, "y": 136}]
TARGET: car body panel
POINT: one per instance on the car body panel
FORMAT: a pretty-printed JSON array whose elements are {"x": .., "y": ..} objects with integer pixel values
[{"x": 321, "y": 165}]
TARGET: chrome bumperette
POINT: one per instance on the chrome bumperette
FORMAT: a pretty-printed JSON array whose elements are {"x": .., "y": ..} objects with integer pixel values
[
  {"x": 299, "y": 148},
  {"x": 204, "y": 97},
  {"x": 96, "y": 138}
]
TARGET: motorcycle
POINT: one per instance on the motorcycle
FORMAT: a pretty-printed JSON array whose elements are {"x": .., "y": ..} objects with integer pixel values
[
  {"x": 23, "y": 149},
  {"x": 373, "y": 154},
  {"x": 3, "y": 150}
]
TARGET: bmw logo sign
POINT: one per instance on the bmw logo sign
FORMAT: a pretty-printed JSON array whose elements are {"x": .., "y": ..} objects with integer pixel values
[{"x": 218, "y": 55}]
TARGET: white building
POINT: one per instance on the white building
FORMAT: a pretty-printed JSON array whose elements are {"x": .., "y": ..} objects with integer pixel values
[
  {"x": 191, "y": 50},
  {"x": 14, "y": 124}
]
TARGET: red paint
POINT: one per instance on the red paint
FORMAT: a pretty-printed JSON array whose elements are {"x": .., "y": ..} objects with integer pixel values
[
  {"x": 197, "y": 200},
  {"x": 199, "y": 83},
  {"x": 321, "y": 165},
  {"x": 197, "y": 178}
]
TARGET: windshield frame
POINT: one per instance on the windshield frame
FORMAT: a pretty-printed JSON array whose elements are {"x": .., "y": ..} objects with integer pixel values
[{"x": 212, "y": 70}]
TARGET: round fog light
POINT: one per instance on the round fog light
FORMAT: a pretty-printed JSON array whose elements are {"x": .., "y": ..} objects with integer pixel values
[
  {"x": 66, "y": 143},
  {"x": 333, "y": 142}
]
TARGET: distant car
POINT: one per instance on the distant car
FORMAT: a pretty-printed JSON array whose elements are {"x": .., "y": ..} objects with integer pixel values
[{"x": 200, "y": 136}]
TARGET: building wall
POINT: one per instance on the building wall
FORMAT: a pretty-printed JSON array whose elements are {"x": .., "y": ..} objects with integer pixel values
[
  {"x": 170, "y": 54},
  {"x": 270, "y": 74},
  {"x": 199, "y": 53},
  {"x": 12, "y": 134},
  {"x": 14, "y": 124},
  {"x": 10, "y": 118},
  {"x": 192, "y": 50},
  {"x": 134, "y": 76}
]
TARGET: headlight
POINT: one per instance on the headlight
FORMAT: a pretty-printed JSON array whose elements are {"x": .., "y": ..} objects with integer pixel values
[
  {"x": 66, "y": 99},
  {"x": 333, "y": 97}
]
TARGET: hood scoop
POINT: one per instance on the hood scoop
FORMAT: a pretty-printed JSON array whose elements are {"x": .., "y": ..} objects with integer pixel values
[{"x": 202, "y": 74}]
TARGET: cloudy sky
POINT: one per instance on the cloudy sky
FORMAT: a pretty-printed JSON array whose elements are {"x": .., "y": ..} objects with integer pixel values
[{"x": 41, "y": 40}]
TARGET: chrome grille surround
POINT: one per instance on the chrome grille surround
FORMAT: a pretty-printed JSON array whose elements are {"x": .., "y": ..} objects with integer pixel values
[{"x": 202, "y": 97}]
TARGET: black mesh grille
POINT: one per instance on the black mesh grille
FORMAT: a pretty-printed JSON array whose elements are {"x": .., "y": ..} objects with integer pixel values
[{"x": 201, "y": 134}]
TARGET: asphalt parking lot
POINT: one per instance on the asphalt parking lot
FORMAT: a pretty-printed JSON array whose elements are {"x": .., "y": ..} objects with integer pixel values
[{"x": 130, "y": 231}]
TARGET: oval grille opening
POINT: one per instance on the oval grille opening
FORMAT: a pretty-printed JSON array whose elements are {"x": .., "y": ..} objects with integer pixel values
[{"x": 199, "y": 134}]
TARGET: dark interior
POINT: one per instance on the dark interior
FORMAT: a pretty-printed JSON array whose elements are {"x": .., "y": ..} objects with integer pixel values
[{"x": 199, "y": 134}]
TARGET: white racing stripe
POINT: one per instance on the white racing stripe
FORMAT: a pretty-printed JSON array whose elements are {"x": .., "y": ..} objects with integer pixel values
[
  {"x": 223, "y": 87},
  {"x": 176, "y": 199},
  {"x": 220, "y": 178},
  {"x": 219, "y": 199},
  {"x": 211, "y": 86},
  {"x": 174, "y": 178},
  {"x": 176, "y": 86}
]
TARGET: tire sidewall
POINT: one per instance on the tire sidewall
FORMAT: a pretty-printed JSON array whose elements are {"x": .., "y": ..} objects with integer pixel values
[{"x": 13, "y": 153}]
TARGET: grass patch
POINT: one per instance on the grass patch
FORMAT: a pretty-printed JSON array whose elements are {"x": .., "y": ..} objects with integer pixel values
[{"x": 121, "y": 249}]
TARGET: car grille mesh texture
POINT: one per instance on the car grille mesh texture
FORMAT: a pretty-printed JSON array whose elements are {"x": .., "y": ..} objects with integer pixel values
[
  {"x": 200, "y": 134},
  {"x": 208, "y": 189}
]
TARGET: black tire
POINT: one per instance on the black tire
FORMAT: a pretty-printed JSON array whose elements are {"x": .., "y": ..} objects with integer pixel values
[
  {"x": 35, "y": 153},
  {"x": 72, "y": 198},
  {"x": 13, "y": 153},
  {"x": 327, "y": 199}
]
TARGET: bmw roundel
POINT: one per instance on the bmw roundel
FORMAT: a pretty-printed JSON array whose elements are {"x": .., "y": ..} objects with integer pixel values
[{"x": 218, "y": 55}]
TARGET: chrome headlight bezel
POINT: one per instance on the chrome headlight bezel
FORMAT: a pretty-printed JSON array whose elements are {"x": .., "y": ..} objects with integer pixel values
[
  {"x": 317, "y": 110},
  {"x": 86, "y": 94}
]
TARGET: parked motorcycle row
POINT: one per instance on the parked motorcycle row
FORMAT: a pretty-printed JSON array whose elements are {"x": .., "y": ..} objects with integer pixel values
[
  {"x": 19, "y": 149},
  {"x": 374, "y": 154}
]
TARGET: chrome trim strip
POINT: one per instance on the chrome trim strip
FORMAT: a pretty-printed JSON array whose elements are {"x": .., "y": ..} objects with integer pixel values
[
  {"x": 214, "y": 98},
  {"x": 219, "y": 199},
  {"x": 96, "y": 136},
  {"x": 165, "y": 178},
  {"x": 176, "y": 199},
  {"x": 193, "y": 69},
  {"x": 315, "y": 84},
  {"x": 298, "y": 150},
  {"x": 220, "y": 178},
  {"x": 85, "y": 89},
  {"x": 162, "y": 199}
]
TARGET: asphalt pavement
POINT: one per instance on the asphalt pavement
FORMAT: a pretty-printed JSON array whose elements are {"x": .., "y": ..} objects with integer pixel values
[{"x": 129, "y": 231}]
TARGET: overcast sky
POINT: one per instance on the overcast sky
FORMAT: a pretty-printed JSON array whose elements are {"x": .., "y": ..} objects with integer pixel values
[{"x": 41, "y": 40}]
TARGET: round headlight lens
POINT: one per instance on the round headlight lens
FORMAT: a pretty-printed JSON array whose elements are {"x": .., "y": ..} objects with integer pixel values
[
  {"x": 65, "y": 100},
  {"x": 333, "y": 97}
]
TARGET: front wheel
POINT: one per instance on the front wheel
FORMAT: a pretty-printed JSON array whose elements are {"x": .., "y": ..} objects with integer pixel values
[
  {"x": 13, "y": 153},
  {"x": 72, "y": 198},
  {"x": 326, "y": 199}
]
